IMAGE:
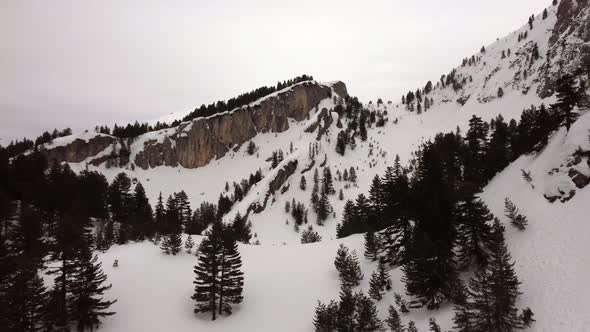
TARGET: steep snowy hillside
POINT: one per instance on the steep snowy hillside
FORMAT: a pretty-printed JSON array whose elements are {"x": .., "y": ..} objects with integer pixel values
[{"x": 284, "y": 278}]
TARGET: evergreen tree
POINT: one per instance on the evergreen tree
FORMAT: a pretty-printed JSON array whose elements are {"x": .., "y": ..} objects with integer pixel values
[
  {"x": 302, "y": 183},
  {"x": 366, "y": 314},
  {"x": 371, "y": 246},
  {"x": 231, "y": 278},
  {"x": 241, "y": 229},
  {"x": 516, "y": 219},
  {"x": 26, "y": 299},
  {"x": 310, "y": 236},
  {"x": 473, "y": 232},
  {"x": 346, "y": 309},
  {"x": 527, "y": 317},
  {"x": 325, "y": 319},
  {"x": 433, "y": 326},
  {"x": 327, "y": 183},
  {"x": 474, "y": 163},
  {"x": 219, "y": 280},
  {"x": 172, "y": 242},
  {"x": 567, "y": 98},
  {"x": 160, "y": 214},
  {"x": 393, "y": 320},
  {"x": 323, "y": 208},
  {"x": 142, "y": 214},
  {"x": 88, "y": 287},
  {"x": 412, "y": 327},
  {"x": 341, "y": 142},
  {"x": 375, "y": 289},
  {"x": 189, "y": 244}
]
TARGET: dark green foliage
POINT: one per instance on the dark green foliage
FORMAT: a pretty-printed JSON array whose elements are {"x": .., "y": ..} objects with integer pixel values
[
  {"x": 341, "y": 142},
  {"x": 401, "y": 303},
  {"x": 87, "y": 305},
  {"x": 517, "y": 220},
  {"x": 325, "y": 318},
  {"x": 567, "y": 98},
  {"x": 219, "y": 280},
  {"x": 492, "y": 294},
  {"x": 310, "y": 236},
  {"x": 472, "y": 218},
  {"x": 172, "y": 229},
  {"x": 189, "y": 244},
  {"x": 375, "y": 290},
  {"x": 348, "y": 267},
  {"x": 393, "y": 320},
  {"x": 366, "y": 314},
  {"x": 433, "y": 326},
  {"x": 241, "y": 229},
  {"x": 25, "y": 300},
  {"x": 303, "y": 183},
  {"x": 412, "y": 327},
  {"x": 371, "y": 246},
  {"x": 526, "y": 317}
]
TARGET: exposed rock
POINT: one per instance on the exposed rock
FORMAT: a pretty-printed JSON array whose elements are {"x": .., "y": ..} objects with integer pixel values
[
  {"x": 156, "y": 154},
  {"x": 204, "y": 139},
  {"x": 579, "y": 179},
  {"x": 194, "y": 144},
  {"x": 282, "y": 176},
  {"x": 565, "y": 55},
  {"x": 78, "y": 150}
]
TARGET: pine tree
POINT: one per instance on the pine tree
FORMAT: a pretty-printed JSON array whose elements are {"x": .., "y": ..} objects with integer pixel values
[
  {"x": 346, "y": 309},
  {"x": 88, "y": 287},
  {"x": 302, "y": 183},
  {"x": 366, "y": 314},
  {"x": 310, "y": 236},
  {"x": 325, "y": 318},
  {"x": 433, "y": 326},
  {"x": 241, "y": 229},
  {"x": 323, "y": 208},
  {"x": 401, "y": 303},
  {"x": 375, "y": 287},
  {"x": 412, "y": 327},
  {"x": 341, "y": 143},
  {"x": 219, "y": 280},
  {"x": 231, "y": 279},
  {"x": 206, "y": 280},
  {"x": 327, "y": 183},
  {"x": 189, "y": 244},
  {"x": 384, "y": 278},
  {"x": 371, "y": 246},
  {"x": 516, "y": 219},
  {"x": 567, "y": 98},
  {"x": 348, "y": 267},
  {"x": 393, "y": 321},
  {"x": 527, "y": 317},
  {"x": 473, "y": 232},
  {"x": 172, "y": 242},
  {"x": 159, "y": 214},
  {"x": 26, "y": 300},
  {"x": 142, "y": 214}
]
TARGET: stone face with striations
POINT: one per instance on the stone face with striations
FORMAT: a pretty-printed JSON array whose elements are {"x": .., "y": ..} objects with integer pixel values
[
  {"x": 204, "y": 139},
  {"x": 195, "y": 143}
]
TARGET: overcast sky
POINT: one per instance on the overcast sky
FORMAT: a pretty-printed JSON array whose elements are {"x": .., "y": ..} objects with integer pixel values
[{"x": 81, "y": 63}]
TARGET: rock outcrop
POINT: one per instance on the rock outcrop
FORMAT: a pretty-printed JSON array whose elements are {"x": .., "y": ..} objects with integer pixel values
[
  {"x": 78, "y": 150},
  {"x": 195, "y": 143},
  {"x": 199, "y": 141},
  {"x": 566, "y": 54}
]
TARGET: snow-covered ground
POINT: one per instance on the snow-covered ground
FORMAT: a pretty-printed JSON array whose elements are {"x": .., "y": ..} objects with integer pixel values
[{"x": 284, "y": 279}]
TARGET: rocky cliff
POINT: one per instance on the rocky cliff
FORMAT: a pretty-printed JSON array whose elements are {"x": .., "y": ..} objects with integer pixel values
[
  {"x": 569, "y": 44},
  {"x": 195, "y": 143}
]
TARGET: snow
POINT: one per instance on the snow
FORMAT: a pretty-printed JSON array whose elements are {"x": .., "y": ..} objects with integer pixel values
[{"x": 284, "y": 279}]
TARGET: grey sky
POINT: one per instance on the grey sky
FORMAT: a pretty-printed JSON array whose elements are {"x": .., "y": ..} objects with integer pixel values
[{"x": 80, "y": 63}]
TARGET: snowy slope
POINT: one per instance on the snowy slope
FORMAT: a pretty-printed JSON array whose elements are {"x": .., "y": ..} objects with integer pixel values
[{"x": 284, "y": 279}]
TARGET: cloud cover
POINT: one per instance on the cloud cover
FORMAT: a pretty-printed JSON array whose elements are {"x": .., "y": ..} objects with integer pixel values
[{"x": 82, "y": 63}]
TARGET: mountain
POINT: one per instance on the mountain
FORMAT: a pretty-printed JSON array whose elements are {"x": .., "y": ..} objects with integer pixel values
[{"x": 293, "y": 132}]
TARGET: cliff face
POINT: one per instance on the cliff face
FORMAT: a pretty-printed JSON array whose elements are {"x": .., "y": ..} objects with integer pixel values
[
  {"x": 79, "y": 149},
  {"x": 194, "y": 144},
  {"x": 568, "y": 45},
  {"x": 201, "y": 140}
]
